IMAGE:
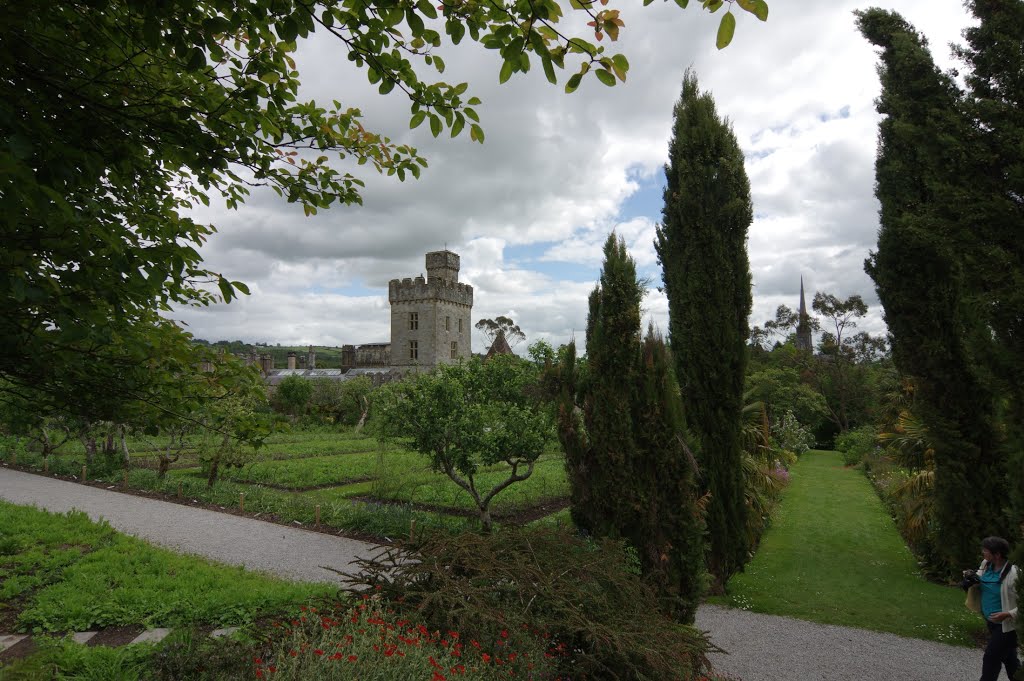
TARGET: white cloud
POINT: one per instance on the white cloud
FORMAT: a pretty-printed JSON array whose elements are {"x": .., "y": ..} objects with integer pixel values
[{"x": 556, "y": 169}]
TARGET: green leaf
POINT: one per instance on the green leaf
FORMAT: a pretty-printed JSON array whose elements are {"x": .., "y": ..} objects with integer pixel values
[
  {"x": 549, "y": 69},
  {"x": 476, "y": 133},
  {"x": 457, "y": 126},
  {"x": 605, "y": 77},
  {"x": 414, "y": 21},
  {"x": 427, "y": 9},
  {"x": 287, "y": 29},
  {"x": 683, "y": 3},
  {"x": 435, "y": 125},
  {"x": 196, "y": 59},
  {"x": 573, "y": 83},
  {"x": 506, "y": 71},
  {"x": 760, "y": 9},
  {"x": 456, "y": 29},
  {"x": 417, "y": 119},
  {"x": 726, "y": 30},
  {"x": 225, "y": 289}
]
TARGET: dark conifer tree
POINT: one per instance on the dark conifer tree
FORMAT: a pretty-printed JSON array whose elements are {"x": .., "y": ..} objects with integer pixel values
[
  {"x": 620, "y": 423},
  {"x": 927, "y": 280},
  {"x": 994, "y": 53},
  {"x": 702, "y": 247}
]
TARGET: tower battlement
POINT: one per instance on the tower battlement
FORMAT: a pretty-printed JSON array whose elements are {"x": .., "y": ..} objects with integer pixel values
[{"x": 417, "y": 289}]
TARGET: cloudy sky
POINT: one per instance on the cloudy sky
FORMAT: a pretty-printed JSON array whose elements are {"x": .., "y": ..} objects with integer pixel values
[{"x": 529, "y": 210}]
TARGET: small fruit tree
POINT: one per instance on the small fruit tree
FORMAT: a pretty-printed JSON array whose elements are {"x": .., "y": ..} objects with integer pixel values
[{"x": 474, "y": 414}]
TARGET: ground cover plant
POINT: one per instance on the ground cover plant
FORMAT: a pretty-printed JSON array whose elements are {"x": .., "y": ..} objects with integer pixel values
[
  {"x": 67, "y": 573},
  {"x": 833, "y": 555}
]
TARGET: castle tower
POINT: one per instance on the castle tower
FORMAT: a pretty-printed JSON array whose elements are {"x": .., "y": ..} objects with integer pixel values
[
  {"x": 803, "y": 326},
  {"x": 430, "y": 318}
]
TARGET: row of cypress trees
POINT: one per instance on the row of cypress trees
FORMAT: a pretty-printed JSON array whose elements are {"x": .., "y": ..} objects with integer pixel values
[{"x": 652, "y": 437}]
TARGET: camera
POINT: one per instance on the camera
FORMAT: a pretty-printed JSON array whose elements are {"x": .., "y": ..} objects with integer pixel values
[{"x": 969, "y": 580}]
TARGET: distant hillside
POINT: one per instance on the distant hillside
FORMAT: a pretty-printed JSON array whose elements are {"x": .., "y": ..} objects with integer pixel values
[{"x": 327, "y": 357}]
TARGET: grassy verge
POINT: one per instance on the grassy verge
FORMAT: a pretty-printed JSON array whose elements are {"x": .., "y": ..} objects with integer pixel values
[
  {"x": 833, "y": 555},
  {"x": 67, "y": 573}
]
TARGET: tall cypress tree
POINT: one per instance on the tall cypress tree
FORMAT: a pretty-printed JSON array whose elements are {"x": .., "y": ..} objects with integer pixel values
[
  {"x": 927, "y": 279},
  {"x": 620, "y": 422},
  {"x": 994, "y": 53},
  {"x": 702, "y": 247}
]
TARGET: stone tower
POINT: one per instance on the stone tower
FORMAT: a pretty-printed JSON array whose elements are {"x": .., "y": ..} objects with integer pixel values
[
  {"x": 803, "y": 326},
  {"x": 430, "y": 318}
]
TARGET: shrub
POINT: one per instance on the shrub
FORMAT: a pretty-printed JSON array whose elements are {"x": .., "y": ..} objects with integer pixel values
[
  {"x": 788, "y": 436},
  {"x": 855, "y": 444},
  {"x": 584, "y": 595}
]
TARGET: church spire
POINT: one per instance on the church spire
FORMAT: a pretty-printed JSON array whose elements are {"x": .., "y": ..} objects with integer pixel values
[{"x": 803, "y": 326}]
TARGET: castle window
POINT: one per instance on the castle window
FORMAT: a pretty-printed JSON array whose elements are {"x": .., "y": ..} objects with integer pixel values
[
  {"x": 414, "y": 321},
  {"x": 460, "y": 326},
  {"x": 414, "y": 351},
  {"x": 455, "y": 350},
  {"x": 447, "y": 323}
]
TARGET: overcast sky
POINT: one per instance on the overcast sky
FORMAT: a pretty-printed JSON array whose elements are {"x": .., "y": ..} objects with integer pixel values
[{"x": 529, "y": 210}]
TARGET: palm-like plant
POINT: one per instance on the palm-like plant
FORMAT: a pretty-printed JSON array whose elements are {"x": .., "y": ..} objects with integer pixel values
[{"x": 915, "y": 496}]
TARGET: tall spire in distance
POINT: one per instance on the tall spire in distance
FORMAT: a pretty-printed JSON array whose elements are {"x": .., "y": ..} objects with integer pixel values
[{"x": 803, "y": 326}]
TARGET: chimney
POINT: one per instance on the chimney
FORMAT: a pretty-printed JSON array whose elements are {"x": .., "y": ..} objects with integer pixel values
[
  {"x": 266, "y": 363},
  {"x": 291, "y": 359},
  {"x": 311, "y": 362}
]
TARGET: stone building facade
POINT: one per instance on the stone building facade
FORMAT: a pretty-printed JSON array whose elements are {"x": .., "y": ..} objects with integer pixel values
[{"x": 430, "y": 317}]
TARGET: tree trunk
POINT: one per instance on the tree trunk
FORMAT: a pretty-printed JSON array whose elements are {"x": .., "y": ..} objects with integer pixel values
[
  {"x": 214, "y": 465},
  {"x": 364, "y": 410},
  {"x": 485, "y": 520},
  {"x": 90, "y": 448},
  {"x": 124, "y": 446}
]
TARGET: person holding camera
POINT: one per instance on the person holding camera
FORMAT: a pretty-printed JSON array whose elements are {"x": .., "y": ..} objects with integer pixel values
[{"x": 997, "y": 578}]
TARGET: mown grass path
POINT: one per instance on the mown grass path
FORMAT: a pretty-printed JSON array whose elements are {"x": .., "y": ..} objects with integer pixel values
[{"x": 833, "y": 555}]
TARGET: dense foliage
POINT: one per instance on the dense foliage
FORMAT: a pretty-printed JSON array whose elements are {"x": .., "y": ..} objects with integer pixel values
[
  {"x": 702, "y": 248},
  {"x": 627, "y": 452},
  {"x": 583, "y": 597},
  {"x": 932, "y": 273}
]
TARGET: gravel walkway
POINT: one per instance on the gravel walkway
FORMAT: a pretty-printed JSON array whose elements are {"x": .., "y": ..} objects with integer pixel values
[
  {"x": 293, "y": 553},
  {"x": 761, "y": 647},
  {"x": 772, "y": 648}
]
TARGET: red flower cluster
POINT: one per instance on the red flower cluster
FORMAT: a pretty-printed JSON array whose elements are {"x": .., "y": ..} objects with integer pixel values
[{"x": 392, "y": 639}]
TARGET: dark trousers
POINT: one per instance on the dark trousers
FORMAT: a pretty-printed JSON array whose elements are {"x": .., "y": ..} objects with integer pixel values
[{"x": 1001, "y": 651}]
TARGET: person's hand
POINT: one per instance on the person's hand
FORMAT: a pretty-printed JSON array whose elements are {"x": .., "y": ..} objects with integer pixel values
[
  {"x": 999, "y": 616},
  {"x": 968, "y": 573}
]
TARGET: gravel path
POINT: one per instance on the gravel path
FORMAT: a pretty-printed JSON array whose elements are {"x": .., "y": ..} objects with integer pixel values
[
  {"x": 293, "y": 553},
  {"x": 761, "y": 647},
  {"x": 772, "y": 648}
]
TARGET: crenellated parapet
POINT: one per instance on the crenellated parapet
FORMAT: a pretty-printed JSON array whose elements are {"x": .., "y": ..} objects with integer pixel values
[{"x": 418, "y": 289}]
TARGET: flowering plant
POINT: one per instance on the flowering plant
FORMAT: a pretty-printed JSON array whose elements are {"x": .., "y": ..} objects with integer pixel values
[{"x": 370, "y": 640}]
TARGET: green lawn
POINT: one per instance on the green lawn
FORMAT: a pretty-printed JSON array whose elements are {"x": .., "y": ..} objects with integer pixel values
[
  {"x": 68, "y": 573},
  {"x": 833, "y": 555},
  {"x": 337, "y": 469}
]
